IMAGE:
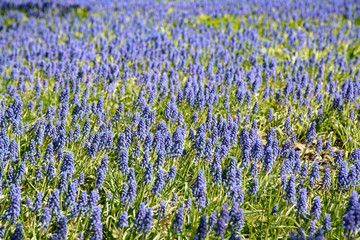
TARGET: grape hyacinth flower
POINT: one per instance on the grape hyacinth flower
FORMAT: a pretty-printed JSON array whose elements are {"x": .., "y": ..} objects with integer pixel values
[
  {"x": 54, "y": 202},
  {"x": 268, "y": 160},
  {"x": 202, "y": 229},
  {"x": 159, "y": 183},
  {"x": 123, "y": 162},
  {"x": 131, "y": 182},
  {"x": 139, "y": 217},
  {"x": 45, "y": 218},
  {"x": 301, "y": 203},
  {"x": 174, "y": 199},
  {"x": 311, "y": 133},
  {"x": 123, "y": 220},
  {"x": 275, "y": 209},
  {"x": 351, "y": 218},
  {"x": 61, "y": 230},
  {"x": 13, "y": 211},
  {"x": 327, "y": 179},
  {"x": 254, "y": 186},
  {"x": 93, "y": 199},
  {"x": 179, "y": 219},
  {"x": 237, "y": 218},
  {"x": 220, "y": 227},
  {"x": 148, "y": 174},
  {"x": 2, "y": 231},
  {"x": 339, "y": 158},
  {"x": 18, "y": 233},
  {"x": 316, "y": 208},
  {"x": 161, "y": 210},
  {"x": 319, "y": 146},
  {"x": 290, "y": 190},
  {"x": 95, "y": 224},
  {"x": 327, "y": 222},
  {"x": 314, "y": 174},
  {"x": 343, "y": 176},
  {"x": 212, "y": 221},
  {"x": 199, "y": 190},
  {"x": 68, "y": 163},
  {"x": 270, "y": 115},
  {"x": 147, "y": 221},
  {"x": 312, "y": 228},
  {"x": 170, "y": 176}
]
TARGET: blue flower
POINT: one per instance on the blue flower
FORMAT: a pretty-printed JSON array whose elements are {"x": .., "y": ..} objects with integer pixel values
[
  {"x": 63, "y": 182},
  {"x": 2, "y": 231},
  {"x": 255, "y": 108},
  {"x": 179, "y": 219},
  {"x": 339, "y": 158},
  {"x": 70, "y": 197},
  {"x": 343, "y": 176},
  {"x": 254, "y": 186},
  {"x": 338, "y": 102},
  {"x": 93, "y": 199},
  {"x": 351, "y": 218},
  {"x": 100, "y": 178},
  {"x": 38, "y": 174},
  {"x": 353, "y": 177},
  {"x": 290, "y": 190},
  {"x": 159, "y": 183},
  {"x": 355, "y": 155},
  {"x": 82, "y": 205},
  {"x": 139, "y": 217},
  {"x": 312, "y": 228},
  {"x": 314, "y": 174},
  {"x": 202, "y": 229},
  {"x": 220, "y": 227},
  {"x": 212, "y": 221},
  {"x": 327, "y": 179},
  {"x": 174, "y": 199},
  {"x": 352, "y": 115},
  {"x": 13, "y": 211},
  {"x": 194, "y": 117},
  {"x": 18, "y": 233},
  {"x": 131, "y": 181},
  {"x": 268, "y": 160},
  {"x": 316, "y": 208},
  {"x": 319, "y": 146},
  {"x": 237, "y": 218},
  {"x": 161, "y": 210},
  {"x": 301, "y": 203},
  {"x": 270, "y": 115},
  {"x": 68, "y": 163},
  {"x": 311, "y": 133},
  {"x": 199, "y": 190},
  {"x": 54, "y": 202},
  {"x": 61, "y": 230},
  {"x": 123, "y": 162},
  {"x": 327, "y": 222},
  {"x": 287, "y": 127},
  {"x": 38, "y": 201},
  {"x": 123, "y": 220},
  {"x": 275, "y": 209},
  {"x": 95, "y": 224},
  {"x": 45, "y": 218},
  {"x": 81, "y": 178},
  {"x": 145, "y": 160},
  {"x": 148, "y": 174},
  {"x": 170, "y": 176}
]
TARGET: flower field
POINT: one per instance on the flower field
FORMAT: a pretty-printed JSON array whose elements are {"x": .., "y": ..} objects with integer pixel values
[{"x": 219, "y": 119}]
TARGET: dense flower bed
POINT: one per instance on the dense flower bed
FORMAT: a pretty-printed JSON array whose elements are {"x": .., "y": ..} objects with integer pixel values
[{"x": 179, "y": 119}]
